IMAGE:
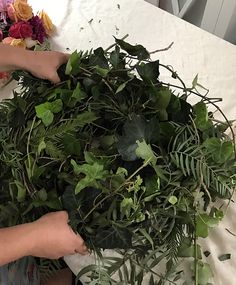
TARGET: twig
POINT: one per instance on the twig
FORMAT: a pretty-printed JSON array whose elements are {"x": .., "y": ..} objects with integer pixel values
[
  {"x": 230, "y": 232},
  {"x": 163, "y": 49}
]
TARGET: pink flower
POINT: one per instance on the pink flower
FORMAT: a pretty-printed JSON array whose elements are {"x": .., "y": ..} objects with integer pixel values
[
  {"x": 3, "y": 9},
  {"x": 4, "y": 75},
  {"x": 4, "y": 4},
  {"x": 21, "y": 30},
  {"x": 11, "y": 13}
]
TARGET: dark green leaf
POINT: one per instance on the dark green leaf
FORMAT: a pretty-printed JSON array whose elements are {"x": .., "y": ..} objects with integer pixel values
[
  {"x": 98, "y": 59},
  {"x": 224, "y": 257},
  {"x": 137, "y": 50},
  {"x": 149, "y": 71},
  {"x": 220, "y": 151},
  {"x": 134, "y": 130},
  {"x": 206, "y": 253}
]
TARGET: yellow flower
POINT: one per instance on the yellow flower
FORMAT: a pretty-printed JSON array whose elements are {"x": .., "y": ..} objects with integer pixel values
[
  {"x": 47, "y": 23},
  {"x": 22, "y": 9},
  {"x": 14, "y": 42}
]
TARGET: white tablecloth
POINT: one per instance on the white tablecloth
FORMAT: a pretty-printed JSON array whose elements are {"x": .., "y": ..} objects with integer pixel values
[{"x": 194, "y": 52}]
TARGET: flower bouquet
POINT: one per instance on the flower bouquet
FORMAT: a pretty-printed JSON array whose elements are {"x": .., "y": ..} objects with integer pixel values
[
  {"x": 136, "y": 165},
  {"x": 20, "y": 27}
]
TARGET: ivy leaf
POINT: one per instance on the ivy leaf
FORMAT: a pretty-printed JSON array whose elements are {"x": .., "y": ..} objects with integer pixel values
[
  {"x": 71, "y": 144},
  {"x": 45, "y": 115},
  {"x": 102, "y": 71},
  {"x": 42, "y": 195},
  {"x": 73, "y": 64},
  {"x": 93, "y": 173},
  {"x": 182, "y": 115},
  {"x": 149, "y": 71},
  {"x": 137, "y": 50},
  {"x": 115, "y": 57},
  {"x": 173, "y": 200},
  {"x": 126, "y": 206},
  {"x": 145, "y": 152},
  {"x": 136, "y": 129},
  {"x": 187, "y": 249},
  {"x": 98, "y": 59},
  {"x": 201, "y": 120},
  {"x": 195, "y": 82},
  {"x": 78, "y": 94},
  {"x": 45, "y": 111},
  {"x": 203, "y": 222},
  {"x": 55, "y": 106},
  {"x": 21, "y": 191},
  {"x": 220, "y": 151},
  {"x": 204, "y": 273},
  {"x": 160, "y": 97}
]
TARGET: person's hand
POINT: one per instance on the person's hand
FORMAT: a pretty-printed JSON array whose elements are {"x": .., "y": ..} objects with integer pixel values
[
  {"x": 54, "y": 238},
  {"x": 44, "y": 64}
]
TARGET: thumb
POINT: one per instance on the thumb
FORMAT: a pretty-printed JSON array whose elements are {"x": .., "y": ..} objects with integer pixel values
[{"x": 54, "y": 78}]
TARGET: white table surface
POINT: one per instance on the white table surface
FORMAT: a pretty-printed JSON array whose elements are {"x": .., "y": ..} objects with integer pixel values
[{"x": 194, "y": 52}]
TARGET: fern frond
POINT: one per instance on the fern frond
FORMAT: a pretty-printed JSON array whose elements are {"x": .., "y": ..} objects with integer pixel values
[
  {"x": 54, "y": 150},
  {"x": 67, "y": 126},
  {"x": 194, "y": 164},
  {"x": 48, "y": 268}
]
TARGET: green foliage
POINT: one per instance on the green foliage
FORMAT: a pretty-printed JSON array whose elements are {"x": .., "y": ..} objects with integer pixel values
[{"x": 135, "y": 165}]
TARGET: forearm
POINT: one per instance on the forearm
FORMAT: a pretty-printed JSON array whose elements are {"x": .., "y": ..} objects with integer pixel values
[
  {"x": 12, "y": 58},
  {"x": 16, "y": 242}
]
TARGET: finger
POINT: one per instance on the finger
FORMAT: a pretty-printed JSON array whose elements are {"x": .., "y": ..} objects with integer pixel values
[
  {"x": 82, "y": 250},
  {"x": 81, "y": 246},
  {"x": 65, "y": 57}
]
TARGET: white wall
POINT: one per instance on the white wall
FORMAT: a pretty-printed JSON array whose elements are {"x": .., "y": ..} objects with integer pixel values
[
  {"x": 220, "y": 19},
  {"x": 231, "y": 31}
]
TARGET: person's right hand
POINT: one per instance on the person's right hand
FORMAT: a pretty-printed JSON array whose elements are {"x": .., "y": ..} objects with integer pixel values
[{"x": 54, "y": 238}]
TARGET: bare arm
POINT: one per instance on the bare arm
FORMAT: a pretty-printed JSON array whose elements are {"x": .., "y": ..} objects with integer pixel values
[
  {"x": 49, "y": 237},
  {"x": 43, "y": 64}
]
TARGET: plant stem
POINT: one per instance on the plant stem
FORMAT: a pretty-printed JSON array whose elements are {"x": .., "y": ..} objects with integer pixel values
[{"x": 195, "y": 256}]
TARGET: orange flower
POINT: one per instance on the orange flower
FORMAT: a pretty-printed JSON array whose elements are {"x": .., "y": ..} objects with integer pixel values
[
  {"x": 7, "y": 40},
  {"x": 14, "y": 42},
  {"x": 23, "y": 11},
  {"x": 47, "y": 23}
]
